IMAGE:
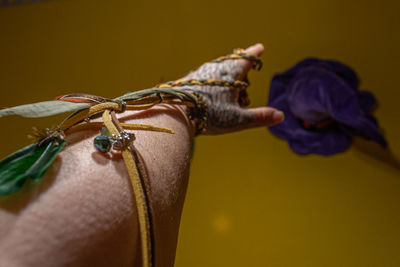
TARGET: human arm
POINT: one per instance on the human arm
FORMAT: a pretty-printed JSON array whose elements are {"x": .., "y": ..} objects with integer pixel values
[{"x": 83, "y": 213}]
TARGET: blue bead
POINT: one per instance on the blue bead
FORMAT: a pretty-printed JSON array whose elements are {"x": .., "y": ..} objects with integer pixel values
[{"x": 102, "y": 143}]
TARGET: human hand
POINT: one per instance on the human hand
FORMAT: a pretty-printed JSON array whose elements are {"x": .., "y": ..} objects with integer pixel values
[{"x": 225, "y": 113}]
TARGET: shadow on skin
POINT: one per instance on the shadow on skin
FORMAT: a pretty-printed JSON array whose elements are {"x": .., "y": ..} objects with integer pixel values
[
  {"x": 373, "y": 153},
  {"x": 104, "y": 158},
  {"x": 30, "y": 191}
]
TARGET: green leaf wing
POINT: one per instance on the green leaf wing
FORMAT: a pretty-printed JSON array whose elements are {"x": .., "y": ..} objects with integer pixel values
[{"x": 31, "y": 161}]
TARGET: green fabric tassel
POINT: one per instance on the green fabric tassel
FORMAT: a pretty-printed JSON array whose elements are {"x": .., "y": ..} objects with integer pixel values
[{"x": 29, "y": 162}]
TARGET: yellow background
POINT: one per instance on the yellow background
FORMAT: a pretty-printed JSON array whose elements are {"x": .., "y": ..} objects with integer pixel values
[{"x": 251, "y": 201}]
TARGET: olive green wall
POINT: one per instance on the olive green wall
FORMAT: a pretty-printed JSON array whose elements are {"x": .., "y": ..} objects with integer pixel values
[{"x": 251, "y": 201}]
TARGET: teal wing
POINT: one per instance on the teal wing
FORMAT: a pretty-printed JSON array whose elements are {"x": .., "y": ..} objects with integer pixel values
[
  {"x": 29, "y": 162},
  {"x": 154, "y": 91}
]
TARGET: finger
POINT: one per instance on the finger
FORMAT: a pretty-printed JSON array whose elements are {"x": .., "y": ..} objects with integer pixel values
[
  {"x": 260, "y": 116},
  {"x": 255, "y": 50}
]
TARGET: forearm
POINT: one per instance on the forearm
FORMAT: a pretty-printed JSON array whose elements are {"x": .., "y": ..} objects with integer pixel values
[{"x": 85, "y": 211}]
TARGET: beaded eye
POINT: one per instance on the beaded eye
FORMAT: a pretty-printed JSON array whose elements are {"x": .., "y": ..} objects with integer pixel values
[
  {"x": 102, "y": 143},
  {"x": 106, "y": 141}
]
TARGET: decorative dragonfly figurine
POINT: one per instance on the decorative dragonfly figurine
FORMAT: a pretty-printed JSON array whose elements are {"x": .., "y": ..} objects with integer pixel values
[{"x": 33, "y": 161}]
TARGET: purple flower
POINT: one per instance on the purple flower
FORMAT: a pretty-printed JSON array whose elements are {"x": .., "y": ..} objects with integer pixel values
[{"x": 323, "y": 107}]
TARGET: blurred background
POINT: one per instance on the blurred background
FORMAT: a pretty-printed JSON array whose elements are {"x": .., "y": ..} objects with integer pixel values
[{"x": 251, "y": 201}]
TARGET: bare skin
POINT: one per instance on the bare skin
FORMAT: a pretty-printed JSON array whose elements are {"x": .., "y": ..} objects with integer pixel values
[{"x": 82, "y": 213}]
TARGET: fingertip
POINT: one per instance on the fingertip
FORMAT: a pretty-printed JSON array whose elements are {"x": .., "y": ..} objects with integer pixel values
[
  {"x": 270, "y": 116},
  {"x": 278, "y": 116},
  {"x": 259, "y": 46},
  {"x": 256, "y": 49}
]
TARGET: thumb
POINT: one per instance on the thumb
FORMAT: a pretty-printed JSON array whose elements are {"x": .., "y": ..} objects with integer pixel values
[{"x": 260, "y": 116}]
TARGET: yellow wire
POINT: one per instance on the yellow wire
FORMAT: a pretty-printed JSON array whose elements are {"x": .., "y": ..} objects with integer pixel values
[{"x": 138, "y": 190}]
